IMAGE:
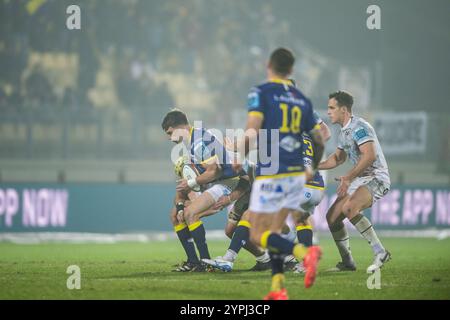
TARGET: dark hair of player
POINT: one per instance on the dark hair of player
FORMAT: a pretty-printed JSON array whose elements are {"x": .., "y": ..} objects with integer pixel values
[
  {"x": 281, "y": 61},
  {"x": 174, "y": 118},
  {"x": 343, "y": 98}
]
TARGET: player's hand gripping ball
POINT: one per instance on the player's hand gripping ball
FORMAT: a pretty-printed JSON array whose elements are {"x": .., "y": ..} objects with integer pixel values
[
  {"x": 190, "y": 172},
  {"x": 178, "y": 167}
]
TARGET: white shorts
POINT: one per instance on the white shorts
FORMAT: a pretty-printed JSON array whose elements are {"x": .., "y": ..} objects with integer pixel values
[
  {"x": 218, "y": 190},
  {"x": 310, "y": 198},
  {"x": 375, "y": 186},
  {"x": 270, "y": 195}
]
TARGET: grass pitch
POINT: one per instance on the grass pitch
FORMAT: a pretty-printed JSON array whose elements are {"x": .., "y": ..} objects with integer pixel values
[{"x": 419, "y": 269}]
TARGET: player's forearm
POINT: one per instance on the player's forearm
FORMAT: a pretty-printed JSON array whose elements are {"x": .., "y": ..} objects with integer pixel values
[
  {"x": 208, "y": 176},
  {"x": 364, "y": 162},
  {"x": 331, "y": 163},
  {"x": 236, "y": 194}
]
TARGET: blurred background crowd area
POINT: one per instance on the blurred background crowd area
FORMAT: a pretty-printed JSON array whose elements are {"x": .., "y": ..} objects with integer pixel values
[{"x": 98, "y": 94}]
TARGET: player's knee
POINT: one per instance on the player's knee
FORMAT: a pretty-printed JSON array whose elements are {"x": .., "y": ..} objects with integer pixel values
[
  {"x": 349, "y": 208},
  {"x": 330, "y": 219},
  {"x": 246, "y": 216},
  {"x": 189, "y": 216},
  {"x": 302, "y": 219}
]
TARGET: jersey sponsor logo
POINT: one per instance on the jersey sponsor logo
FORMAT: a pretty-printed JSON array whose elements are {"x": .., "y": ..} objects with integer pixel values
[
  {"x": 266, "y": 187},
  {"x": 361, "y": 133},
  {"x": 253, "y": 100},
  {"x": 289, "y": 143},
  {"x": 289, "y": 98}
]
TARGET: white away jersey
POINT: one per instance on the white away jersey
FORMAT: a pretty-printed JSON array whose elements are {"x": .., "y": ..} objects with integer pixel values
[{"x": 357, "y": 132}]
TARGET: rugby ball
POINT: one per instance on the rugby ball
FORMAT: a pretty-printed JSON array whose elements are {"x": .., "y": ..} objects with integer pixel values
[{"x": 190, "y": 172}]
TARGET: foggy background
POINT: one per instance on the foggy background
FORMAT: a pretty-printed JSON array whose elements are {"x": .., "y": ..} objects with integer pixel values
[{"x": 86, "y": 105}]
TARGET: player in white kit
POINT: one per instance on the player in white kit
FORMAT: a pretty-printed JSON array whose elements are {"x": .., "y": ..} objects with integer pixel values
[{"x": 364, "y": 184}]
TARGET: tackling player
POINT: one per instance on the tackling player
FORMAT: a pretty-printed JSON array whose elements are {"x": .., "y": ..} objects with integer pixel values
[{"x": 365, "y": 183}]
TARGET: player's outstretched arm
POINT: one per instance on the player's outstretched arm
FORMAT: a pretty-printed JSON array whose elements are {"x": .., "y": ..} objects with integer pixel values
[{"x": 334, "y": 160}]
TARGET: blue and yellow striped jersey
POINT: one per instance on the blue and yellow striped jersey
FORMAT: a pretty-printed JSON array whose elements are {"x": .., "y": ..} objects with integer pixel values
[{"x": 286, "y": 114}]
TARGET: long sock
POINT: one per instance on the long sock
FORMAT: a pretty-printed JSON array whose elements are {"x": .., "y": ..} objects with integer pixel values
[
  {"x": 277, "y": 271},
  {"x": 264, "y": 257},
  {"x": 240, "y": 236},
  {"x": 305, "y": 235},
  {"x": 278, "y": 244},
  {"x": 254, "y": 250},
  {"x": 199, "y": 234},
  {"x": 365, "y": 228},
  {"x": 240, "y": 240},
  {"x": 230, "y": 255},
  {"x": 342, "y": 240},
  {"x": 187, "y": 242}
]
